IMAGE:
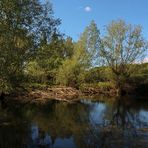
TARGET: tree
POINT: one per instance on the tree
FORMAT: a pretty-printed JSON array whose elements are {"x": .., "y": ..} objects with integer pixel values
[
  {"x": 90, "y": 39},
  {"x": 35, "y": 73},
  {"x": 22, "y": 24},
  {"x": 121, "y": 48},
  {"x": 71, "y": 73},
  {"x": 50, "y": 55}
]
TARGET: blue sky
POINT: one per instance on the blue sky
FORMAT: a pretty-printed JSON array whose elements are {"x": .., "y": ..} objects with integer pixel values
[{"x": 77, "y": 14}]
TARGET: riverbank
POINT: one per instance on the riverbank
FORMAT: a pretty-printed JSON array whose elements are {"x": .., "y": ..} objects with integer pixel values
[
  {"x": 101, "y": 88},
  {"x": 42, "y": 94}
]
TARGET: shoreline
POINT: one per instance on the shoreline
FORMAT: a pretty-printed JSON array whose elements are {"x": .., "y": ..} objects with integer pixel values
[{"x": 59, "y": 93}]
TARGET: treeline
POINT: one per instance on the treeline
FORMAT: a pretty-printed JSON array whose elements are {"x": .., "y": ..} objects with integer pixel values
[{"x": 33, "y": 51}]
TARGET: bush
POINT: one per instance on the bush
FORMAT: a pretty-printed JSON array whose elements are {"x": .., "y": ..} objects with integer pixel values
[
  {"x": 101, "y": 85},
  {"x": 97, "y": 74}
]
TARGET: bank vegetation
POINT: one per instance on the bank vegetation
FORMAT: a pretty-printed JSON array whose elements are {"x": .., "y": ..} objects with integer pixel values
[{"x": 35, "y": 54}]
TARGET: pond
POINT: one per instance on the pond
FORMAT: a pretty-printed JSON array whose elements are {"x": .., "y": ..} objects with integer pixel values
[{"x": 87, "y": 123}]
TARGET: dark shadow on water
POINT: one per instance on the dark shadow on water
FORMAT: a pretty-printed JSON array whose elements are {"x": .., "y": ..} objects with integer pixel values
[{"x": 88, "y": 123}]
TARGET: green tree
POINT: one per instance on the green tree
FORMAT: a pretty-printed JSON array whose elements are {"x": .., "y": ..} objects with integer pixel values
[
  {"x": 22, "y": 24},
  {"x": 34, "y": 72},
  {"x": 121, "y": 48},
  {"x": 90, "y": 39},
  {"x": 51, "y": 55},
  {"x": 72, "y": 71}
]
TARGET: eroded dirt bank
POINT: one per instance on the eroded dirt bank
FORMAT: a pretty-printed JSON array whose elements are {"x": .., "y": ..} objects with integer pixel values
[{"x": 42, "y": 96}]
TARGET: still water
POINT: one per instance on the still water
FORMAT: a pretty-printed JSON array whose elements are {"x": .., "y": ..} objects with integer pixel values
[{"x": 87, "y": 123}]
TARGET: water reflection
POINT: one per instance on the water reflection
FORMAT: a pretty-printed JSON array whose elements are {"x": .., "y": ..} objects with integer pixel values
[
  {"x": 41, "y": 138},
  {"x": 127, "y": 115},
  {"x": 89, "y": 123}
]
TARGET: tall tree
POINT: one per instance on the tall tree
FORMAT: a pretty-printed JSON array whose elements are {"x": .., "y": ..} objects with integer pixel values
[
  {"x": 22, "y": 24},
  {"x": 90, "y": 39},
  {"x": 121, "y": 48},
  {"x": 71, "y": 73},
  {"x": 50, "y": 55}
]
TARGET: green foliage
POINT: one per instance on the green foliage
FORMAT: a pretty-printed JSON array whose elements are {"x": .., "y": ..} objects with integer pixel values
[
  {"x": 22, "y": 24},
  {"x": 34, "y": 72},
  {"x": 72, "y": 69},
  {"x": 90, "y": 40},
  {"x": 140, "y": 79},
  {"x": 101, "y": 87},
  {"x": 98, "y": 74},
  {"x": 32, "y": 50},
  {"x": 141, "y": 75},
  {"x": 121, "y": 47},
  {"x": 36, "y": 86},
  {"x": 50, "y": 56},
  {"x": 5, "y": 86}
]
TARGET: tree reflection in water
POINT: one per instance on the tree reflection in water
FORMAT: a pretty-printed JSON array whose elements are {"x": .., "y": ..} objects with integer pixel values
[
  {"x": 124, "y": 122},
  {"x": 126, "y": 115},
  {"x": 85, "y": 124}
]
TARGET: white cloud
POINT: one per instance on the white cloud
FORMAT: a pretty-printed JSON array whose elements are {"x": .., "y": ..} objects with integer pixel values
[
  {"x": 145, "y": 60},
  {"x": 87, "y": 9}
]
